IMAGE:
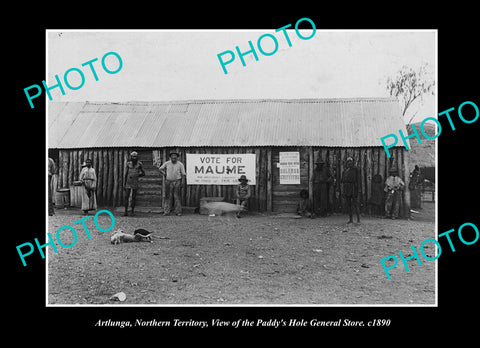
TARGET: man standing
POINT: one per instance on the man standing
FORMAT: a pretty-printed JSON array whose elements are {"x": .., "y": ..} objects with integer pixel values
[
  {"x": 321, "y": 182},
  {"x": 133, "y": 171},
  {"x": 88, "y": 177},
  {"x": 414, "y": 187},
  {"x": 174, "y": 173},
  {"x": 393, "y": 185},
  {"x": 350, "y": 178}
]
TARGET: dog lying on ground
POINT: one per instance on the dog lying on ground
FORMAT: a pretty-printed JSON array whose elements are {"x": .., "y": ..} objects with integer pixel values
[
  {"x": 220, "y": 208},
  {"x": 139, "y": 235}
]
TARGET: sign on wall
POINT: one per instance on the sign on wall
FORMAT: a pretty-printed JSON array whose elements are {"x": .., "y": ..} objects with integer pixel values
[
  {"x": 289, "y": 168},
  {"x": 221, "y": 169}
]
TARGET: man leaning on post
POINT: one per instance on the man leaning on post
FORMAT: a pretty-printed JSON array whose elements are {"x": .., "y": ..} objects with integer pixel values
[{"x": 174, "y": 173}]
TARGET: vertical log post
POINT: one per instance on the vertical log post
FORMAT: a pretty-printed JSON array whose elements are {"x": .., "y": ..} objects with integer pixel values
[
  {"x": 188, "y": 191},
  {"x": 164, "y": 159},
  {"x": 358, "y": 161},
  {"x": 335, "y": 169},
  {"x": 382, "y": 158},
  {"x": 406, "y": 205},
  {"x": 64, "y": 176},
  {"x": 70, "y": 169},
  {"x": 258, "y": 179},
  {"x": 311, "y": 164},
  {"x": 122, "y": 178},
  {"x": 269, "y": 180},
  {"x": 343, "y": 156},
  {"x": 115, "y": 177},
  {"x": 111, "y": 167},
  {"x": 106, "y": 183},
  {"x": 94, "y": 158},
  {"x": 76, "y": 165},
  {"x": 100, "y": 180},
  {"x": 369, "y": 175}
]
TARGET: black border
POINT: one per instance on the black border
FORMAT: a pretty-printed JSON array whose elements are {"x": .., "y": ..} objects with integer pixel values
[{"x": 458, "y": 74}]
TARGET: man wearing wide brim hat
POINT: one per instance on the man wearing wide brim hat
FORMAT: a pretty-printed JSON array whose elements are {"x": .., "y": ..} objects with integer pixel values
[
  {"x": 243, "y": 178},
  {"x": 393, "y": 185},
  {"x": 174, "y": 174},
  {"x": 242, "y": 193}
]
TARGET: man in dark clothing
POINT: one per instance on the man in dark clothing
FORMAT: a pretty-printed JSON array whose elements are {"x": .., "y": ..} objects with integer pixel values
[
  {"x": 415, "y": 189},
  {"x": 321, "y": 183},
  {"x": 133, "y": 171},
  {"x": 350, "y": 178},
  {"x": 304, "y": 207}
]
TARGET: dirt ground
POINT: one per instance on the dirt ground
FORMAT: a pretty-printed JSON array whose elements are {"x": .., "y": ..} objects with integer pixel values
[{"x": 259, "y": 259}]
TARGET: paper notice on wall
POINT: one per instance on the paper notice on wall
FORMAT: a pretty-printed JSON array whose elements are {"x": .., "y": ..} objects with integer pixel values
[{"x": 289, "y": 168}]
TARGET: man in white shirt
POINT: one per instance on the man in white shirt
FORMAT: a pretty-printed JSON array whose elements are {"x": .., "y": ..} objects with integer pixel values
[
  {"x": 174, "y": 173},
  {"x": 393, "y": 185}
]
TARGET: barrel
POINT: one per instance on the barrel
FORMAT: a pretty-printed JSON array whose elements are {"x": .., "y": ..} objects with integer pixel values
[
  {"x": 76, "y": 192},
  {"x": 62, "y": 198}
]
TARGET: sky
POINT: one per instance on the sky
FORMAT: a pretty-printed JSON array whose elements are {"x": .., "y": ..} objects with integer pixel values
[{"x": 183, "y": 65}]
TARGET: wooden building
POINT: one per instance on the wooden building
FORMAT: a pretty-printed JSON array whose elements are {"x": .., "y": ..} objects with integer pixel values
[{"x": 319, "y": 129}]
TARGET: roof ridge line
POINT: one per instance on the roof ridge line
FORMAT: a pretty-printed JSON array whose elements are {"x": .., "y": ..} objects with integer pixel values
[{"x": 246, "y": 100}]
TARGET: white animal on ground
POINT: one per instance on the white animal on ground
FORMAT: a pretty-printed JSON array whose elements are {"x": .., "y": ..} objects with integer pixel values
[
  {"x": 119, "y": 236},
  {"x": 220, "y": 208}
]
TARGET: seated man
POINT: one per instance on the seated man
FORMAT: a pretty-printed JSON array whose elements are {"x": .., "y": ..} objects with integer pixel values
[
  {"x": 304, "y": 207},
  {"x": 242, "y": 193}
]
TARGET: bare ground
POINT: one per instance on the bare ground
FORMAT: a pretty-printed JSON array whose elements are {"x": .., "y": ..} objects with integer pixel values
[{"x": 259, "y": 259}]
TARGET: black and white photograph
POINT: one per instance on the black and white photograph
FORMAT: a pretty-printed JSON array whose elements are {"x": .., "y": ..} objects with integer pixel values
[
  {"x": 209, "y": 176},
  {"x": 184, "y": 173}
]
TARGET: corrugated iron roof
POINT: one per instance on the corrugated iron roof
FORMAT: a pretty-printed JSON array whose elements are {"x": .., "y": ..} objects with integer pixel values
[{"x": 352, "y": 122}]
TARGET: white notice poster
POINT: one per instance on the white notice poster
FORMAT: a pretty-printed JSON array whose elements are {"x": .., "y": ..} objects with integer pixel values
[
  {"x": 221, "y": 169},
  {"x": 289, "y": 168}
]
